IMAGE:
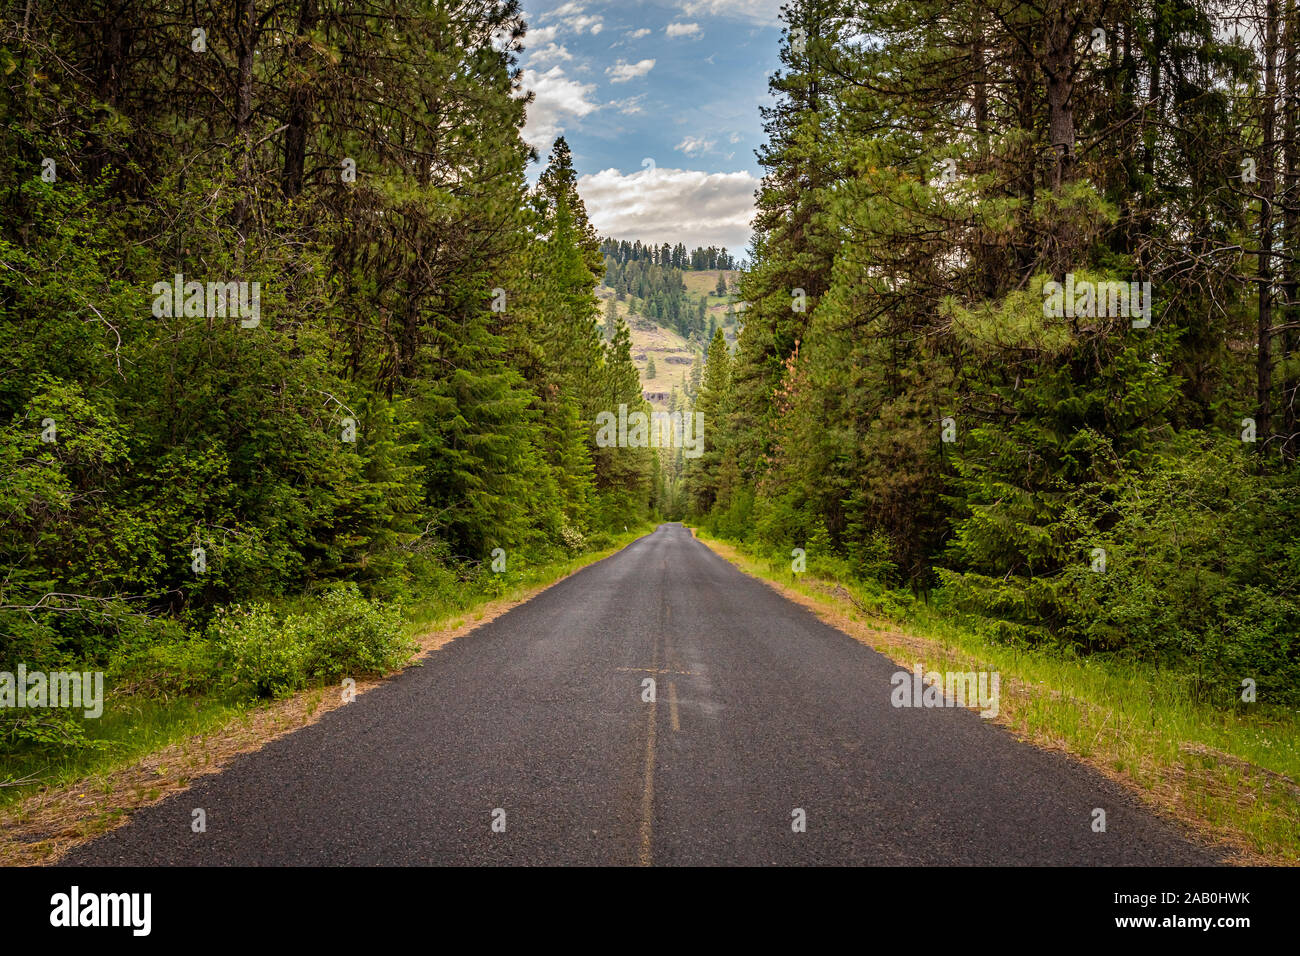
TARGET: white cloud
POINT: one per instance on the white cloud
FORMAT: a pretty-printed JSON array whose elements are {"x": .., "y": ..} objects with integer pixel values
[
  {"x": 683, "y": 29},
  {"x": 622, "y": 71},
  {"x": 629, "y": 106},
  {"x": 578, "y": 24},
  {"x": 693, "y": 146},
  {"x": 672, "y": 205},
  {"x": 637, "y": 34},
  {"x": 536, "y": 37},
  {"x": 733, "y": 138},
  {"x": 557, "y": 97},
  {"x": 766, "y": 12},
  {"x": 548, "y": 54},
  {"x": 574, "y": 19}
]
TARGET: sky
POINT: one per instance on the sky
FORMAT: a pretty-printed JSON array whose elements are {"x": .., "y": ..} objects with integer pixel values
[{"x": 658, "y": 100}]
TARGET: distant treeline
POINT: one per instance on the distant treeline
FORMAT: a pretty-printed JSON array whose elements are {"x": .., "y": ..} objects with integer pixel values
[{"x": 676, "y": 257}]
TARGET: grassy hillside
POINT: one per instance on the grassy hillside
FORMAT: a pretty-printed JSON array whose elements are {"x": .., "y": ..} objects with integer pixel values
[
  {"x": 705, "y": 283},
  {"x": 672, "y": 354}
]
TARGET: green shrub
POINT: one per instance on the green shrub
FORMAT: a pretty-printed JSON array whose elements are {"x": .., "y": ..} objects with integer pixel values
[
  {"x": 351, "y": 636},
  {"x": 172, "y": 669},
  {"x": 262, "y": 651},
  {"x": 343, "y": 635},
  {"x": 572, "y": 539},
  {"x": 48, "y": 728},
  {"x": 1183, "y": 561}
]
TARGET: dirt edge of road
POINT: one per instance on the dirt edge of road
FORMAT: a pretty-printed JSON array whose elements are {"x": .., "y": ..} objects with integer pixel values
[
  {"x": 42, "y": 829},
  {"x": 904, "y": 649}
]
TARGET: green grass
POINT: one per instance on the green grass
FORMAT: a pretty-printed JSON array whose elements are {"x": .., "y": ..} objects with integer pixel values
[
  {"x": 704, "y": 281},
  {"x": 1232, "y": 773},
  {"x": 131, "y": 728},
  {"x": 126, "y": 732}
]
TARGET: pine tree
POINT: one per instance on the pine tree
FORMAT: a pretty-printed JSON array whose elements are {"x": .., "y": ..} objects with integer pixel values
[
  {"x": 611, "y": 320},
  {"x": 711, "y": 402},
  {"x": 622, "y": 473}
]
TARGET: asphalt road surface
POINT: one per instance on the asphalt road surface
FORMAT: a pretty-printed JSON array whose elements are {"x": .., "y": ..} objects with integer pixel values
[{"x": 536, "y": 723}]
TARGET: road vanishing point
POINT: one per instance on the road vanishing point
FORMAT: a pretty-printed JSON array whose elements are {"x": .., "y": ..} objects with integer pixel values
[{"x": 539, "y": 722}]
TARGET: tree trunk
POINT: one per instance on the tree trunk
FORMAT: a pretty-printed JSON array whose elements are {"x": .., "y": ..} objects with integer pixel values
[
  {"x": 1058, "y": 68},
  {"x": 1267, "y": 190},
  {"x": 245, "y": 41},
  {"x": 300, "y": 101},
  {"x": 1291, "y": 229}
]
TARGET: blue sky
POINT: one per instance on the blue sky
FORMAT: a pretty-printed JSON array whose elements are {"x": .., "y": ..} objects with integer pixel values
[{"x": 678, "y": 82}]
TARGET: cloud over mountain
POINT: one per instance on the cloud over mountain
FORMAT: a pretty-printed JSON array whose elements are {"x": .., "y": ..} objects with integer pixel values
[{"x": 672, "y": 205}]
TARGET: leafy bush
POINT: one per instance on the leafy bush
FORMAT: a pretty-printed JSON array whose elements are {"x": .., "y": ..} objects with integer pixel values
[
  {"x": 1198, "y": 572},
  {"x": 175, "y": 668},
  {"x": 346, "y": 635},
  {"x": 48, "y": 728},
  {"x": 261, "y": 650},
  {"x": 350, "y": 635},
  {"x": 572, "y": 539},
  {"x": 736, "y": 521}
]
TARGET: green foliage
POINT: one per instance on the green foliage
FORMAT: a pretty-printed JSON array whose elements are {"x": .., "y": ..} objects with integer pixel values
[
  {"x": 345, "y": 635},
  {"x": 262, "y": 650},
  {"x": 1195, "y": 573},
  {"x": 48, "y": 729},
  {"x": 351, "y": 635},
  {"x": 902, "y": 391},
  {"x": 419, "y": 387},
  {"x": 179, "y": 667}
]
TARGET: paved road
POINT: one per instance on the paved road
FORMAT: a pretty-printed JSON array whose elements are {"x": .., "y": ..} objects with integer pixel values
[{"x": 759, "y": 709}]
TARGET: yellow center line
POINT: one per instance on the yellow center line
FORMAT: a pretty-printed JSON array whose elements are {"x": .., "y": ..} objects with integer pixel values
[
  {"x": 645, "y": 857},
  {"x": 671, "y": 662}
]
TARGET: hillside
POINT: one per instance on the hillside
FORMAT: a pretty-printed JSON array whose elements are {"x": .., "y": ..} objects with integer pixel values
[
  {"x": 673, "y": 355},
  {"x": 705, "y": 283}
]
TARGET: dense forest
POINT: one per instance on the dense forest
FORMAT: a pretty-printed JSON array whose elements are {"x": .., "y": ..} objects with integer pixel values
[
  {"x": 282, "y": 316},
  {"x": 1022, "y": 324},
  {"x": 659, "y": 293},
  {"x": 675, "y": 257}
]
